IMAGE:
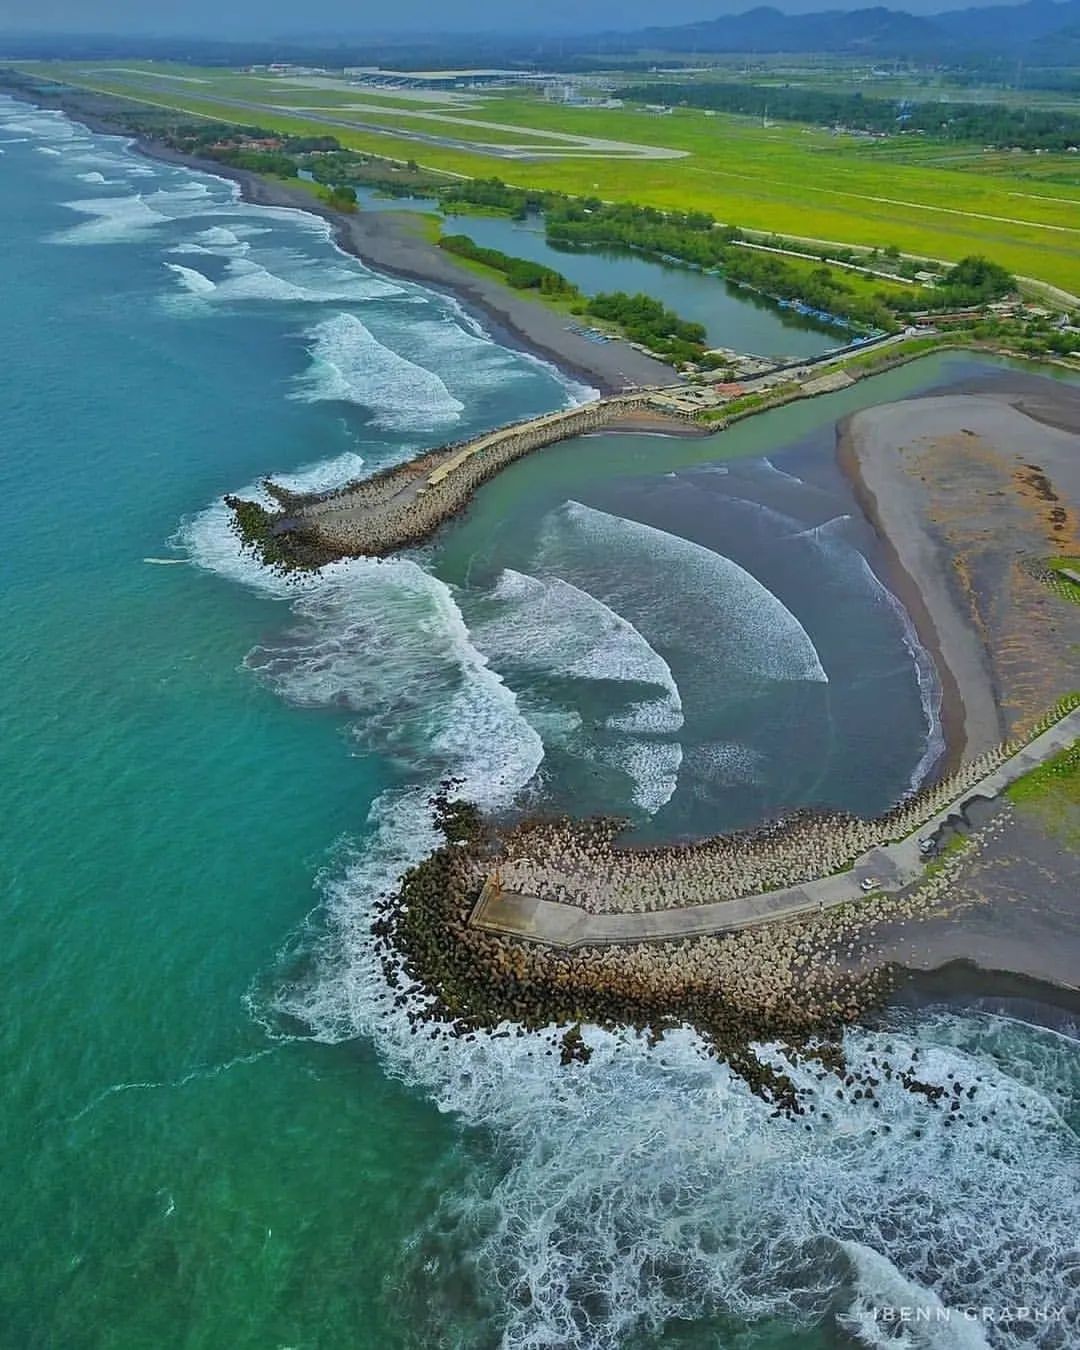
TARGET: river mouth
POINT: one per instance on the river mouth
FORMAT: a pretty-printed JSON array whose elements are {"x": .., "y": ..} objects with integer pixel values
[{"x": 706, "y": 645}]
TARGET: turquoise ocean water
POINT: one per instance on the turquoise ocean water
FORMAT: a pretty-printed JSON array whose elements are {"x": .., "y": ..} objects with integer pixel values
[{"x": 218, "y": 1130}]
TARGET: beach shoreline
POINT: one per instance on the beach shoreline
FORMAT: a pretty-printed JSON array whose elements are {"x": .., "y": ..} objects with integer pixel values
[
  {"x": 390, "y": 242},
  {"x": 906, "y": 587},
  {"x": 971, "y": 719}
]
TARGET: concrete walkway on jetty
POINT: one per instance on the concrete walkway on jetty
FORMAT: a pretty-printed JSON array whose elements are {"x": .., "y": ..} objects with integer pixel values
[
  {"x": 893, "y": 867},
  {"x": 410, "y": 501}
]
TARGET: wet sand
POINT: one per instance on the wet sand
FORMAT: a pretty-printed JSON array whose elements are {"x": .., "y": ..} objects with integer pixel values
[{"x": 1014, "y": 907}]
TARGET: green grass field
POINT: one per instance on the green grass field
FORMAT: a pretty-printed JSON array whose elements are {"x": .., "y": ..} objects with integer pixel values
[
  {"x": 1052, "y": 792},
  {"x": 785, "y": 178}
]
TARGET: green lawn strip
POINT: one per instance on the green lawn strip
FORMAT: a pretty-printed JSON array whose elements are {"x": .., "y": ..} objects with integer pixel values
[{"x": 1063, "y": 585}]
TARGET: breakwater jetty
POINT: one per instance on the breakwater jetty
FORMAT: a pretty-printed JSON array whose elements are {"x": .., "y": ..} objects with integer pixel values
[
  {"x": 567, "y": 884},
  {"x": 407, "y": 503}
]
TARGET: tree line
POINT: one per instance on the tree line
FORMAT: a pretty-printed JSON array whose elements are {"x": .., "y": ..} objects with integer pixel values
[{"x": 996, "y": 124}]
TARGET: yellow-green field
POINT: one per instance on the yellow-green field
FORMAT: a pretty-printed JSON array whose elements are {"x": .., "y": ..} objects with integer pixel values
[{"x": 934, "y": 201}]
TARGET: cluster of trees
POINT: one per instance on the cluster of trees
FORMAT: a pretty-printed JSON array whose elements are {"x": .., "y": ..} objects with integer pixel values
[
  {"x": 1033, "y": 337},
  {"x": 996, "y": 124},
  {"x": 341, "y": 197},
  {"x": 274, "y": 162},
  {"x": 492, "y": 194},
  {"x": 640, "y": 317},
  {"x": 651, "y": 323},
  {"x": 819, "y": 288},
  {"x": 519, "y": 272},
  {"x": 690, "y": 237},
  {"x": 974, "y": 281},
  {"x": 384, "y": 175}
]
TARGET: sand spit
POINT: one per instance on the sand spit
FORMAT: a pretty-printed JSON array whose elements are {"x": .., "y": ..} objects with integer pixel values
[{"x": 965, "y": 491}]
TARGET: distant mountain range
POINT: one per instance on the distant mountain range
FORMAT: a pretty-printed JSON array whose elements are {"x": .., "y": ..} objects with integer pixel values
[
  {"x": 1042, "y": 33},
  {"x": 1038, "y": 25}
]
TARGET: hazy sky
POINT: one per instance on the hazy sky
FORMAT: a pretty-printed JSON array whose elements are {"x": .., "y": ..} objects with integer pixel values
[{"x": 275, "y": 18}]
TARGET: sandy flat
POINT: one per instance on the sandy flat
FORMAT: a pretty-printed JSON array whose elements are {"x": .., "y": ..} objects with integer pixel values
[{"x": 964, "y": 488}]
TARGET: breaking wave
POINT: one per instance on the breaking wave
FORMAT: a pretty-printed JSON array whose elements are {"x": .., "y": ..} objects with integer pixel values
[
  {"x": 657, "y": 579},
  {"x": 546, "y": 626},
  {"x": 113, "y": 220},
  {"x": 350, "y": 365},
  {"x": 650, "y": 1186},
  {"x": 386, "y": 642},
  {"x": 247, "y": 280},
  {"x": 210, "y": 541},
  {"x": 551, "y": 624},
  {"x": 192, "y": 280}
]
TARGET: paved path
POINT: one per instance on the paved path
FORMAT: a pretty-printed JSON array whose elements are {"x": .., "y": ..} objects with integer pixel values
[{"x": 893, "y": 866}]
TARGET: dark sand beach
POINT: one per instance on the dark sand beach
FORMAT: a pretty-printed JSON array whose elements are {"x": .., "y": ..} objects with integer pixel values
[
  {"x": 393, "y": 242},
  {"x": 966, "y": 490},
  {"x": 963, "y": 490}
]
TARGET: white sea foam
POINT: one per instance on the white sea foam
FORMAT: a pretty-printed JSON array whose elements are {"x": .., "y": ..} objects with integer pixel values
[
  {"x": 350, "y": 365},
  {"x": 48, "y": 150},
  {"x": 651, "y": 1160},
  {"x": 114, "y": 220},
  {"x": 658, "y": 579},
  {"x": 890, "y": 1312},
  {"x": 653, "y": 766},
  {"x": 552, "y": 624},
  {"x": 247, "y": 280},
  {"x": 576, "y": 391},
  {"x": 211, "y": 542},
  {"x": 387, "y": 642},
  {"x": 92, "y": 177},
  {"x": 547, "y": 626},
  {"x": 217, "y": 241},
  {"x": 324, "y": 476},
  {"x": 192, "y": 280}
]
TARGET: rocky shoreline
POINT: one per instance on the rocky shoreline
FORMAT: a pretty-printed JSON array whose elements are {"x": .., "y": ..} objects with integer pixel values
[{"x": 793, "y": 988}]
